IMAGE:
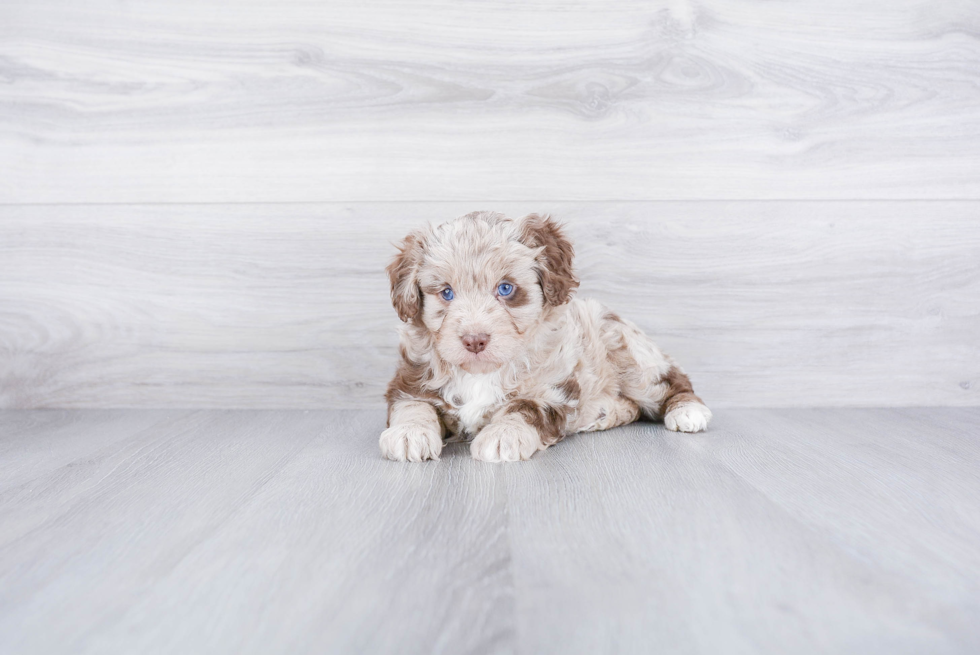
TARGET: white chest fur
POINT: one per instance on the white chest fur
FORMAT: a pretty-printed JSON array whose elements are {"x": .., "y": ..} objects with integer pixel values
[{"x": 473, "y": 396}]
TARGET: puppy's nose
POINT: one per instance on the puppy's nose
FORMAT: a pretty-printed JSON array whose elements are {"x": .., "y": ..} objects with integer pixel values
[{"x": 476, "y": 343}]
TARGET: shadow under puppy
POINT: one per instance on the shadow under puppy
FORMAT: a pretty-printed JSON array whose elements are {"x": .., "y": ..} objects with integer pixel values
[{"x": 494, "y": 348}]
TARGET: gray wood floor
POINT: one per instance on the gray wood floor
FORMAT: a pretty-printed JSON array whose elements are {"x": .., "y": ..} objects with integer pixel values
[{"x": 835, "y": 530}]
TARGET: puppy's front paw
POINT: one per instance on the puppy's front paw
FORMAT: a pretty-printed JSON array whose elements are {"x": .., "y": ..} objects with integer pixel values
[
  {"x": 411, "y": 442},
  {"x": 505, "y": 442},
  {"x": 690, "y": 417}
]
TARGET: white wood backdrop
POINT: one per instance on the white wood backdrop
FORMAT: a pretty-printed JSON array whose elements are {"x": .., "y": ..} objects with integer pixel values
[
  {"x": 764, "y": 303},
  {"x": 197, "y": 197},
  {"x": 327, "y": 100}
]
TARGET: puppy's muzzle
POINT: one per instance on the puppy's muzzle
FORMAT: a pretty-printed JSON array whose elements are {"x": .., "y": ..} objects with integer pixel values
[{"x": 475, "y": 343}]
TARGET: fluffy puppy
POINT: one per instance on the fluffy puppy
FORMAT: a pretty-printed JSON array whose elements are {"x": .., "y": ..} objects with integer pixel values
[{"x": 494, "y": 349}]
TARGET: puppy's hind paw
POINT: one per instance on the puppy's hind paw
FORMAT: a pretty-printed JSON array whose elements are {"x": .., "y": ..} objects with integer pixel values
[
  {"x": 411, "y": 442},
  {"x": 690, "y": 417}
]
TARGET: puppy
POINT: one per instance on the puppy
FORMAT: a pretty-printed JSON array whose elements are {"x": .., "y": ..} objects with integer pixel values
[{"x": 494, "y": 349}]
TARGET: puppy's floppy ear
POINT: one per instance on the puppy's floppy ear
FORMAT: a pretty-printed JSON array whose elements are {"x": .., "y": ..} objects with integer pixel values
[
  {"x": 555, "y": 259},
  {"x": 403, "y": 272}
]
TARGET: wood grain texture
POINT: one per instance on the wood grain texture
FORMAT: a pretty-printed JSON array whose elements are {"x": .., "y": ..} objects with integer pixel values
[
  {"x": 251, "y": 532},
  {"x": 763, "y": 303},
  {"x": 803, "y": 531},
  {"x": 809, "y": 531},
  {"x": 198, "y": 101}
]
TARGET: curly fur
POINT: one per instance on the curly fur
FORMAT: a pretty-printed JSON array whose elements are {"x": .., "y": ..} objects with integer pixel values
[{"x": 553, "y": 365}]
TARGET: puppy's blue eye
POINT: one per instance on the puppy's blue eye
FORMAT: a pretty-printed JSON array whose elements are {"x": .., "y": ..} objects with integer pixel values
[
  {"x": 447, "y": 294},
  {"x": 505, "y": 288}
]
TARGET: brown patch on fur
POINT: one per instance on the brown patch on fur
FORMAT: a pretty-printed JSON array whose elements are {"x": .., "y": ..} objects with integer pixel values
[
  {"x": 621, "y": 358},
  {"x": 449, "y": 421},
  {"x": 571, "y": 389},
  {"x": 518, "y": 298},
  {"x": 549, "y": 421},
  {"x": 409, "y": 384},
  {"x": 555, "y": 262},
  {"x": 403, "y": 275},
  {"x": 613, "y": 316},
  {"x": 679, "y": 390}
]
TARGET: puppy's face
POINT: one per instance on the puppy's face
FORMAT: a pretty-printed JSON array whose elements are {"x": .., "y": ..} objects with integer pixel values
[{"x": 479, "y": 283}]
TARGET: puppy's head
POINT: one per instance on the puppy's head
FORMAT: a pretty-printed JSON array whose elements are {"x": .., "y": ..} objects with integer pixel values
[{"x": 479, "y": 283}]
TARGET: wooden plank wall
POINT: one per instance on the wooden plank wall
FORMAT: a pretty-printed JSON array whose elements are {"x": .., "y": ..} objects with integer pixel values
[{"x": 197, "y": 199}]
